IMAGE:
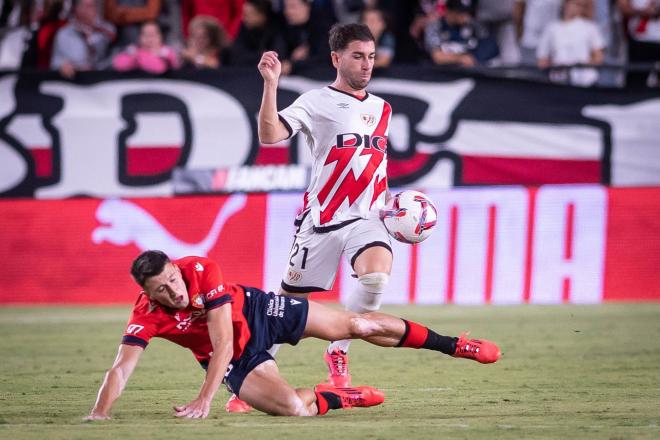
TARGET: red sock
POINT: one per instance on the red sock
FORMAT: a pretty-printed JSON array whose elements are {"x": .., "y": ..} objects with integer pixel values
[
  {"x": 414, "y": 336},
  {"x": 418, "y": 336},
  {"x": 321, "y": 403}
]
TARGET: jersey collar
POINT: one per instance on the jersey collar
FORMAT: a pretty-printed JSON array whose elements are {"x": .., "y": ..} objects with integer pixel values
[{"x": 366, "y": 94}]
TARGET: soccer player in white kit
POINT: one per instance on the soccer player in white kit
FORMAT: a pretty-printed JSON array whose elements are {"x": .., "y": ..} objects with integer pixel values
[{"x": 346, "y": 129}]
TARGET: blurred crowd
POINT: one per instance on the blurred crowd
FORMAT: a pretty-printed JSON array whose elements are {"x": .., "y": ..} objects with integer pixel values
[{"x": 158, "y": 35}]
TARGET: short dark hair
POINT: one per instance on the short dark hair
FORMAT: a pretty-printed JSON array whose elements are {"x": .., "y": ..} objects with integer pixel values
[
  {"x": 341, "y": 35},
  {"x": 214, "y": 30},
  {"x": 262, "y": 6},
  {"x": 147, "y": 265}
]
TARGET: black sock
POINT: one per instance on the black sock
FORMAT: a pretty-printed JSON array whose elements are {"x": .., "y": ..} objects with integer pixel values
[
  {"x": 334, "y": 402},
  {"x": 445, "y": 344}
]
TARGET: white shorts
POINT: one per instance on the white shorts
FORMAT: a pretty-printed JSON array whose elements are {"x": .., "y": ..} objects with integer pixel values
[{"x": 314, "y": 257}]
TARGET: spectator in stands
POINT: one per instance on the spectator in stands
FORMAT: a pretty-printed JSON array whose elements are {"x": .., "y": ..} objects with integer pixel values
[
  {"x": 305, "y": 35},
  {"x": 531, "y": 17},
  {"x": 83, "y": 42},
  {"x": 206, "y": 44},
  {"x": 258, "y": 34},
  {"x": 456, "y": 38},
  {"x": 15, "y": 35},
  {"x": 377, "y": 23},
  {"x": 572, "y": 40},
  {"x": 128, "y": 16},
  {"x": 51, "y": 22},
  {"x": 150, "y": 55},
  {"x": 609, "y": 20},
  {"x": 497, "y": 17},
  {"x": 349, "y": 11},
  {"x": 427, "y": 12},
  {"x": 41, "y": 21},
  {"x": 227, "y": 12},
  {"x": 643, "y": 36}
]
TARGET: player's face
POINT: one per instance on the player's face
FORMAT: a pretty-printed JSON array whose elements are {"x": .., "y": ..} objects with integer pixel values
[
  {"x": 168, "y": 288},
  {"x": 354, "y": 64}
]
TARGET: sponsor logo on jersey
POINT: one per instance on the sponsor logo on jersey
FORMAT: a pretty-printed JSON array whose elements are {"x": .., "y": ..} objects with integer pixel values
[
  {"x": 199, "y": 267},
  {"x": 343, "y": 105},
  {"x": 369, "y": 120},
  {"x": 212, "y": 293},
  {"x": 185, "y": 323},
  {"x": 134, "y": 329},
  {"x": 355, "y": 140},
  {"x": 294, "y": 302},
  {"x": 276, "y": 306}
]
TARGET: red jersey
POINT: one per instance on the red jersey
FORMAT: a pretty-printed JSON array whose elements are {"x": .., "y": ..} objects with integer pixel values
[{"x": 187, "y": 327}]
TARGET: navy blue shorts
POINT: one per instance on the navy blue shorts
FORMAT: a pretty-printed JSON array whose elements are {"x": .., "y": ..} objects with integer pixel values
[{"x": 273, "y": 319}]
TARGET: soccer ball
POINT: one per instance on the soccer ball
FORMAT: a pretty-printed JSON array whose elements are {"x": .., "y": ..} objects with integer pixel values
[{"x": 409, "y": 216}]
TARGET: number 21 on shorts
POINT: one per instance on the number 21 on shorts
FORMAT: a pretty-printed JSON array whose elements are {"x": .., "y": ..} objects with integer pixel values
[{"x": 298, "y": 256}]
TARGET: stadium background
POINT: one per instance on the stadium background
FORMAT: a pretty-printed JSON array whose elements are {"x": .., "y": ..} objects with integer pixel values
[{"x": 546, "y": 193}]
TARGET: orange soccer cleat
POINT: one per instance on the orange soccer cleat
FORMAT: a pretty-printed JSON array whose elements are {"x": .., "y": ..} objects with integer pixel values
[
  {"x": 479, "y": 350},
  {"x": 348, "y": 397},
  {"x": 236, "y": 405},
  {"x": 337, "y": 362}
]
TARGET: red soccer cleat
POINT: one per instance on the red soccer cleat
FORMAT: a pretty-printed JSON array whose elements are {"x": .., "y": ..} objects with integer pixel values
[
  {"x": 236, "y": 405},
  {"x": 352, "y": 397},
  {"x": 479, "y": 350},
  {"x": 337, "y": 362}
]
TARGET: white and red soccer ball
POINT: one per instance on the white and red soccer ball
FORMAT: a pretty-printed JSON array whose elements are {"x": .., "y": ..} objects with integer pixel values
[{"x": 409, "y": 216}]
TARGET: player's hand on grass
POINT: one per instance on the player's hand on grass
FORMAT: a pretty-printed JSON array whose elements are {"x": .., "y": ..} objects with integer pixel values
[
  {"x": 197, "y": 409},
  {"x": 269, "y": 66}
]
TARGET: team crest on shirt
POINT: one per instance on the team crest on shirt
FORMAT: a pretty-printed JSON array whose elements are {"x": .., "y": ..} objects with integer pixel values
[
  {"x": 198, "y": 301},
  {"x": 369, "y": 120},
  {"x": 294, "y": 276}
]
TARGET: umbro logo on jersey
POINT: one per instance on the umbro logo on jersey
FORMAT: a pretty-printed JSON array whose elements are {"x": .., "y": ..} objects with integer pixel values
[
  {"x": 343, "y": 105},
  {"x": 199, "y": 267}
]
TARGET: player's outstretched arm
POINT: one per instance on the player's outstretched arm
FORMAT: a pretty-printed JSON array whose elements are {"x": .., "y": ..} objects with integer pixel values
[
  {"x": 115, "y": 380},
  {"x": 271, "y": 129},
  {"x": 222, "y": 336}
]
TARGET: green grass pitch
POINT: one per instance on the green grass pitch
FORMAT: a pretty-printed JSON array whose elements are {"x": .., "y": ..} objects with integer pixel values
[{"x": 566, "y": 372}]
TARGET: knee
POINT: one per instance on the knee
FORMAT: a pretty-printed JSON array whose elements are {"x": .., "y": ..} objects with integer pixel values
[
  {"x": 292, "y": 406},
  {"x": 361, "y": 327},
  {"x": 374, "y": 282},
  {"x": 369, "y": 296}
]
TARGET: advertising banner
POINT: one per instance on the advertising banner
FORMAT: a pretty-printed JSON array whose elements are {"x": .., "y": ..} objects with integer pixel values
[
  {"x": 122, "y": 135},
  {"x": 497, "y": 245}
]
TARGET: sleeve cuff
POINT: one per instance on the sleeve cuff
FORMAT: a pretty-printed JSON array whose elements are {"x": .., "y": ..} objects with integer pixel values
[
  {"x": 224, "y": 299},
  {"x": 286, "y": 124},
  {"x": 134, "y": 340}
]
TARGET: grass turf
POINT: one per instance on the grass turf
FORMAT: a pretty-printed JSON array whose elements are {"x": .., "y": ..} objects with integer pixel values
[{"x": 566, "y": 372}]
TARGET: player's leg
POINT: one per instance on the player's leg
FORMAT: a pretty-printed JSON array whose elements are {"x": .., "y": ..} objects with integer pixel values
[
  {"x": 389, "y": 331},
  {"x": 311, "y": 267},
  {"x": 312, "y": 264},
  {"x": 266, "y": 390},
  {"x": 368, "y": 250}
]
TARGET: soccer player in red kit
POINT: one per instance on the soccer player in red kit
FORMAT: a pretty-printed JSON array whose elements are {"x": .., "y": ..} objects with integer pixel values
[
  {"x": 346, "y": 130},
  {"x": 229, "y": 328}
]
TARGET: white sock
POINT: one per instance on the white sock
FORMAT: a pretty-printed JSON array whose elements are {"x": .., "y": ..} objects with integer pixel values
[
  {"x": 274, "y": 349},
  {"x": 339, "y": 345}
]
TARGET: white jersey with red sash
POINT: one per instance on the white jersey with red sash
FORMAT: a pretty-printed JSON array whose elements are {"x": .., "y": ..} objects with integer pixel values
[{"x": 347, "y": 137}]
